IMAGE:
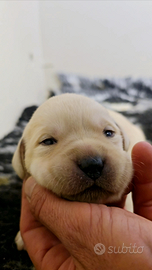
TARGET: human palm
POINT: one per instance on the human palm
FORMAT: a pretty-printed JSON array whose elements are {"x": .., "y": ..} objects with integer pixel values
[{"x": 61, "y": 235}]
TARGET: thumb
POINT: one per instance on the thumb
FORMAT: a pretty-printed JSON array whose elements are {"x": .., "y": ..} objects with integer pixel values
[{"x": 142, "y": 181}]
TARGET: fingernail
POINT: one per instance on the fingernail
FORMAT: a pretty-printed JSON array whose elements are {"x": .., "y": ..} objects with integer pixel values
[{"x": 29, "y": 186}]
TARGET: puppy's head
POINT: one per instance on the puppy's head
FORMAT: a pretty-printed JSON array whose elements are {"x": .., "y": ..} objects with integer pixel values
[{"x": 73, "y": 147}]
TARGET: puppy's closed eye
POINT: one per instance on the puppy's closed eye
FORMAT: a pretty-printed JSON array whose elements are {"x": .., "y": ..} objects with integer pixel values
[{"x": 49, "y": 141}]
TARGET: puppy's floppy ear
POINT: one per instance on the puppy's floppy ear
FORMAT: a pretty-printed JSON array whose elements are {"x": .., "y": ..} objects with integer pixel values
[
  {"x": 125, "y": 138},
  {"x": 18, "y": 161}
]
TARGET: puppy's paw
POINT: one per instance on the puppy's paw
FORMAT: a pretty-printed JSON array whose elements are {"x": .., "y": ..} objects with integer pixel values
[{"x": 19, "y": 241}]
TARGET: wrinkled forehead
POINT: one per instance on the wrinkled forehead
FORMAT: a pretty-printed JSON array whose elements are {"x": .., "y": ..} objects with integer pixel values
[{"x": 69, "y": 114}]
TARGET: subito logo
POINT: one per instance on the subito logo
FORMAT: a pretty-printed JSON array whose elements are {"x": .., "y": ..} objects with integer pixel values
[{"x": 99, "y": 249}]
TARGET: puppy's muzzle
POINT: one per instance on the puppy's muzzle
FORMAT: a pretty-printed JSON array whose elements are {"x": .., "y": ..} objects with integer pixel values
[{"x": 91, "y": 166}]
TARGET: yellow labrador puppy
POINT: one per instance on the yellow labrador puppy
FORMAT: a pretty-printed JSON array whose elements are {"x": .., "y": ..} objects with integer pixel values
[{"x": 78, "y": 149}]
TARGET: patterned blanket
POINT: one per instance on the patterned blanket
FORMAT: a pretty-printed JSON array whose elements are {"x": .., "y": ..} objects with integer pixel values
[{"x": 131, "y": 97}]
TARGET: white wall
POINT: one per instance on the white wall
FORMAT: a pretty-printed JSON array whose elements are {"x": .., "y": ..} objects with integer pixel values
[
  {"x": 105, "y": 38},
  {"x": 22, "y": 80}
]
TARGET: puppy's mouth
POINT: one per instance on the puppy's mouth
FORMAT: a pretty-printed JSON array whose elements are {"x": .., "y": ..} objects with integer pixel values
[{"x": 93, "y": 194}]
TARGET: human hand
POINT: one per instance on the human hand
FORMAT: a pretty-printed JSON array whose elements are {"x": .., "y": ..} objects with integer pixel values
[{"x": 70, "y": 230}]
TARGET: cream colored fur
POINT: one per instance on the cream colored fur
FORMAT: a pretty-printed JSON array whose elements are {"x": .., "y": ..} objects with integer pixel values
[{"x": 78, "y": 125}]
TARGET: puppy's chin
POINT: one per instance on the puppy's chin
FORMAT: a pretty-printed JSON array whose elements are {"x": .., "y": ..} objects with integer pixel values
[{"x": 94, "y": 194}]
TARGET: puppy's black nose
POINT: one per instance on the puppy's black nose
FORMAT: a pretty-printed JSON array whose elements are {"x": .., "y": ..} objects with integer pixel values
[{"x": 91, "y": 166}]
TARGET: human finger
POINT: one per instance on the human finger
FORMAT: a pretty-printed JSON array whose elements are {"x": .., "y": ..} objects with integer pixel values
[
  {"x": 142, "y": 180},
  {"x": 43, "y": 247}
]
